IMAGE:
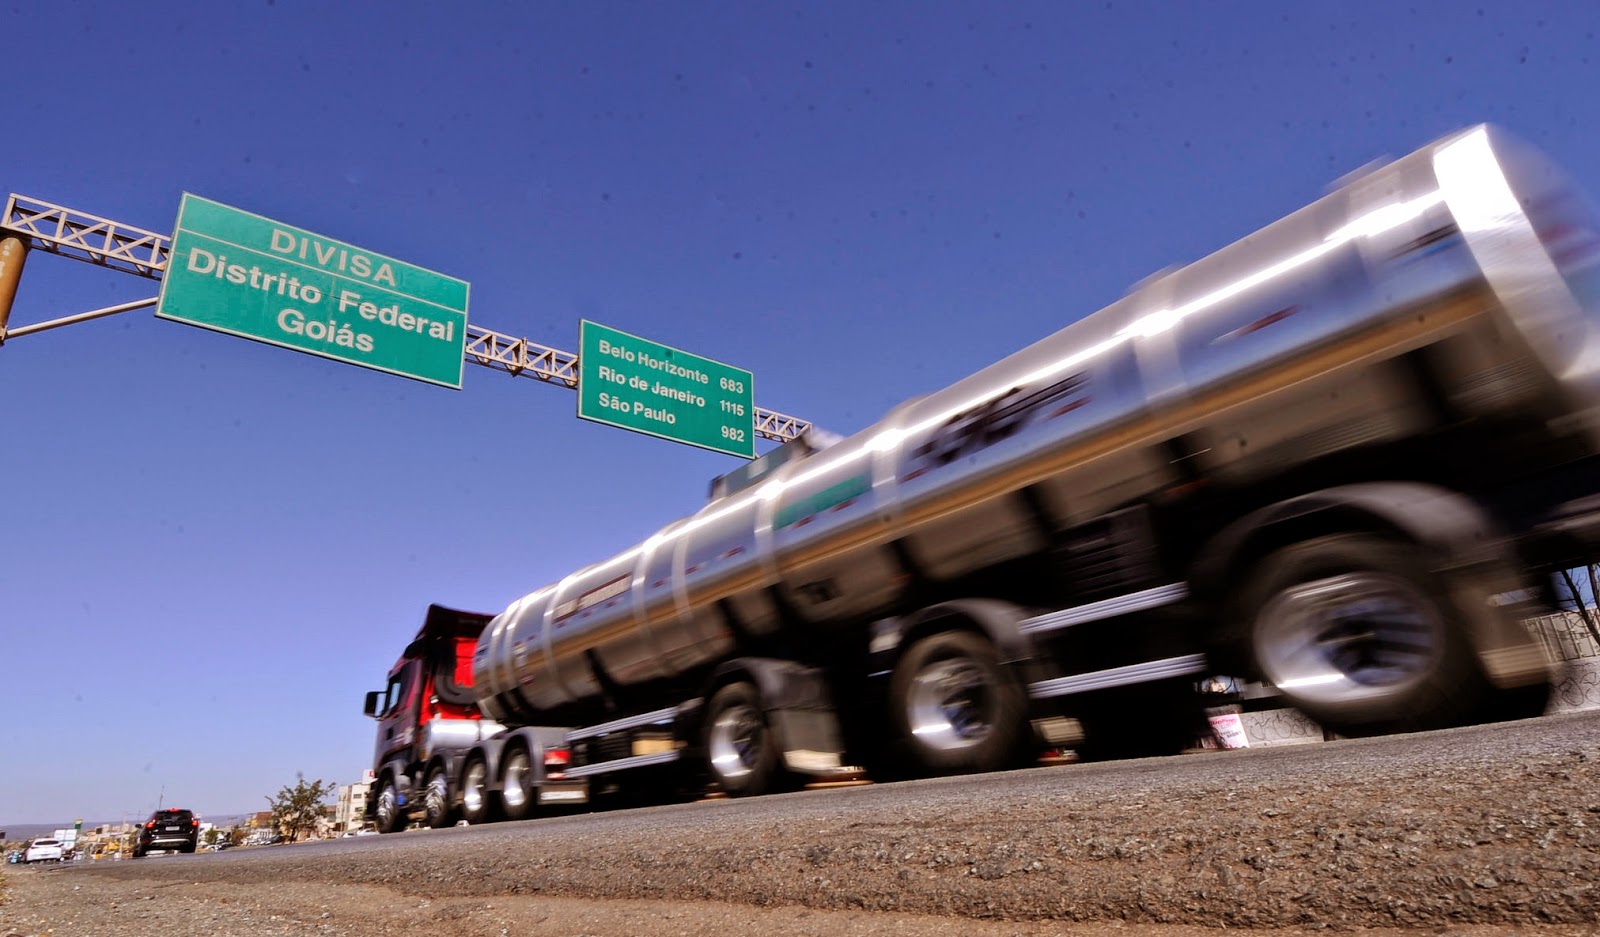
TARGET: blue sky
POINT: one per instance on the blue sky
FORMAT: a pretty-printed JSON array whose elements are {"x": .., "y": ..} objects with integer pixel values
[{"x": 210, "y": 548}]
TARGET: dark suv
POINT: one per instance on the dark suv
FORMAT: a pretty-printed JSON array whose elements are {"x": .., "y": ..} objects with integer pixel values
[{"x": 172, "y": 828}]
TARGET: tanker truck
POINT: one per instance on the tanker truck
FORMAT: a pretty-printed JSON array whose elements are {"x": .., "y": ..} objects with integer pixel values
[
  {"x": 429, "y": 723},
  {"x": 1341, "y": 457}
]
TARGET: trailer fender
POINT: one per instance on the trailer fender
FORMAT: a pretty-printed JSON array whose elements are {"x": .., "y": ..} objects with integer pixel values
[
  {"x": 539, "y": 740},
  {"x": 436, "y": 763},
  {"x": 799, "y": 708},
  {"x": 999, "y": 621},
  {"x": 1459, "y": 537},
  {"x": 401, "y": 772},
  {"x": 398, "y": 770},
  {"x": 493, "y": 749}
]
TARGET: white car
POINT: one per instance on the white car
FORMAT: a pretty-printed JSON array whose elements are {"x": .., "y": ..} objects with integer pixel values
[{"x": 43, "y": 850}]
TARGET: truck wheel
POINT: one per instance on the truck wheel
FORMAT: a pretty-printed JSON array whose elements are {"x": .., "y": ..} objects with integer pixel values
[
  {"x": 436, "y": 799},
  {"x": 1359, "y": 633},
  {"x": 390, "y": 818},
  {"x": 740, "y": 747},
  {"x": 475, "y": 792},
  {"x": 517, "y": 790},
  {"x": 955, "y": 708}
]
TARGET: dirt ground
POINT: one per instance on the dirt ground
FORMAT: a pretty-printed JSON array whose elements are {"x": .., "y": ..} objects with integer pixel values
[
  {"x": 49, "y": 903},
  {"x": 1489, "y": 830}
]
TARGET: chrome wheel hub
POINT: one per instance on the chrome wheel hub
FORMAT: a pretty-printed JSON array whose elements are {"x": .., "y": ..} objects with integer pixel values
[
  {"x": 1348, "y": 638},
  {"x": 472, "y": 788},
  {"x": 735, "y": 741},
  {"x": 515, "y": 791},
  {"x": 950, "y": 704}
]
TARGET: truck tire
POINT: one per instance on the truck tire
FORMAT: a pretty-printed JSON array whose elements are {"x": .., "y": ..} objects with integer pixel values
[
  {"x": 389, "y": 816},
  {"x": 518, "y": 794},
  {"x": 475, "y": 795},
  {"x": 1360, "y": 634},
  {"x": 955, "y": 708},
  {"x": 436, "y": 799},
  {"x": 741, "y": 750}
]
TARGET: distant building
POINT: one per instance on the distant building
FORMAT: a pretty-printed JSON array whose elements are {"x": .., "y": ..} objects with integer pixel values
[{"x": 350, "y": 810}]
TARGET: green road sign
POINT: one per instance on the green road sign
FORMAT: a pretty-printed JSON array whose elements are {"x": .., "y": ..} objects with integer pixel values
[
  {"x": 628, "y": 381},
  {"x": 246, "y": 275}
]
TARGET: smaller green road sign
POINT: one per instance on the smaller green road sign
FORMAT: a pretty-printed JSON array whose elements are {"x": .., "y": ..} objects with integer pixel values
[
  {"x": 246, "y": 275},
  {"x": 634, "y": 383}
]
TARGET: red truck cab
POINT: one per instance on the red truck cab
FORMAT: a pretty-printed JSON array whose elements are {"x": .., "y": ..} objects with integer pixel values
[
  {"x": 437, "y": 758},
  {"x": 431, "y": 680}
]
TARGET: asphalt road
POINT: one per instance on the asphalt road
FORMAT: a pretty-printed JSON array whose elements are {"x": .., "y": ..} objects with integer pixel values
[{"x": 1482, "y": 827}]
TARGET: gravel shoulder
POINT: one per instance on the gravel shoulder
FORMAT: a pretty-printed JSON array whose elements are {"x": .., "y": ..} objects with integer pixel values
[
  {"x": 1490, "y": 830},
  {"x": 52, "y": 905}
]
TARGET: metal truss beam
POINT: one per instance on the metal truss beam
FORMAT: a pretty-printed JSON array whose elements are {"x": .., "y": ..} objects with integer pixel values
[
  {"x": 771, "y": 424},
  {"x": 519, "y": 357},
  {"x": 117, "y": 246},
  {"x": 88, "y": 238}
]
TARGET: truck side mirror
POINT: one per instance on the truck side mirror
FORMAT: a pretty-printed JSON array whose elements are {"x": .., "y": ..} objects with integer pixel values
[{"x": 371, "y": 708}]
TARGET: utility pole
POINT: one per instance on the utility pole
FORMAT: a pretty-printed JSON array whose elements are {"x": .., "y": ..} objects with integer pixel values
[{"x": 13, "y": 251}]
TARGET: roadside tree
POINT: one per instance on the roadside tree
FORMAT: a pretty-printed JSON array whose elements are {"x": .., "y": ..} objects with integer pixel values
[{"x": 296, "y": 810}]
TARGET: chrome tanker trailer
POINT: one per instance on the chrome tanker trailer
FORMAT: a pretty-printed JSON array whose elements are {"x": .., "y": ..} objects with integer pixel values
[{"x": 1340, "y": 456}]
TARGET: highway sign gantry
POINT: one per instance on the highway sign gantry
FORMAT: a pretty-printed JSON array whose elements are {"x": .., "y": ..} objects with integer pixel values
[
  {"x": 237, "y": 272},
  {"x": 115, "y": 245},
  {"x": 634, "y": 383}
]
